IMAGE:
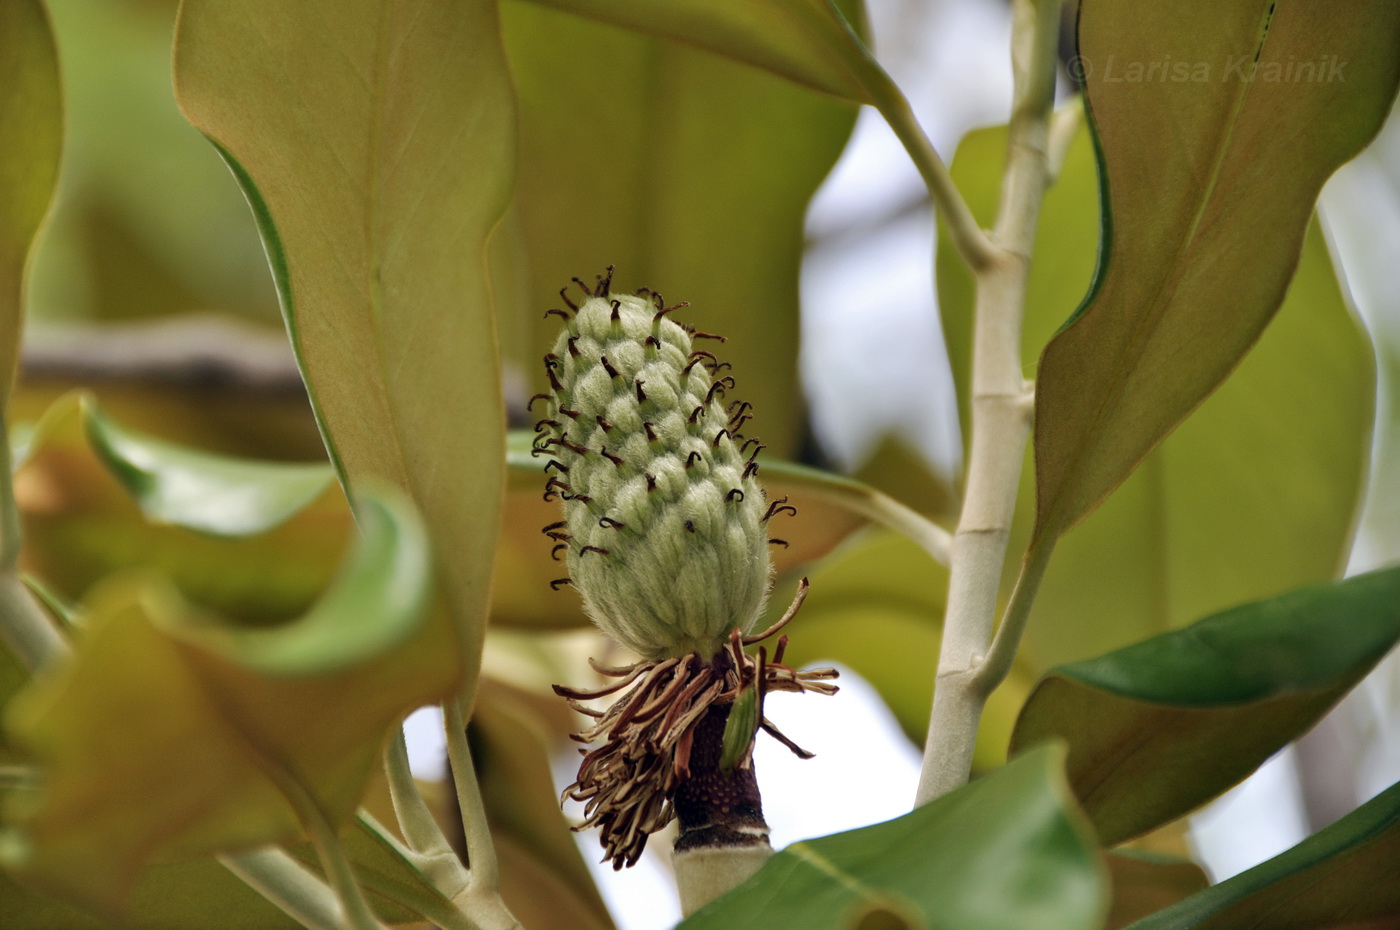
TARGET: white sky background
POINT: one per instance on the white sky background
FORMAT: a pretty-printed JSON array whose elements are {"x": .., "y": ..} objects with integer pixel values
[{"x": 870, "y": 329}]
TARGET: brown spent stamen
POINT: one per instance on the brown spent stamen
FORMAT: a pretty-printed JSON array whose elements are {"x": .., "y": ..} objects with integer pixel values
[{"x": 649, "y": 744}]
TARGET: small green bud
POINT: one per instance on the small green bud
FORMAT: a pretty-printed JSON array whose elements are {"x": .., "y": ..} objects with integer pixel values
[
  {"x": 739, "y": 729},
  {"x": 664, "y": 514}
]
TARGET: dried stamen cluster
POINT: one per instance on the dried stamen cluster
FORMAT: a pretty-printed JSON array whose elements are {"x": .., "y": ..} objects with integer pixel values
[{"x": 627, "y": 784}]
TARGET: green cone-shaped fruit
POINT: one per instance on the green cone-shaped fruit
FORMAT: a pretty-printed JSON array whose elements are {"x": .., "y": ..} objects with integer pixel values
[{"x": 664, "y": 516}]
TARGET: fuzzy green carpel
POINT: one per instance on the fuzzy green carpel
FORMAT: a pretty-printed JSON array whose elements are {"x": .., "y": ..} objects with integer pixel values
[{"x": 664, "y": 514}]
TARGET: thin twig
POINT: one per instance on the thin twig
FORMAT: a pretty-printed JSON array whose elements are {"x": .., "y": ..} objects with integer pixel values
[{"x": 964, "y": 231}]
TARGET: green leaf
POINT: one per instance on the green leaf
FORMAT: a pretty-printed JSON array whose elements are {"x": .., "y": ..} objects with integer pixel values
[
  {"x": 808, "y": 41},
  {"x": 1144, "y": 884},
  {"x": 31, "y": 109},
  {"x": 1342, "y": 877},
  {"x": 1209, "y": 185},
  {"x": 175, "y": 896},
  {"x": 200, "y": 491},
  {"x": 830, "y": 509},
  {"x": 375, "y": 143},
  {"x": 1009, "y": 850},
  {"x": 227, "y": 716},
  {"x": 1253, "y": 495},
  {"x": 1158, "y": 728},
  {"x": 691, "y": 174},
  {"x": 81, "y": 523}
]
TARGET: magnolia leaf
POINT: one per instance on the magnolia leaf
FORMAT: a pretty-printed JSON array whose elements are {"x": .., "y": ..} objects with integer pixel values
[
  {"x": 200, "y": 491},
  {"x": 623, "y": 163},
  {"x": 808, "y": 41},
  {"x": 31, "y": 109},
  {"x": 375, "y": 142},
  {"x": 1008, "y": 850},
  {"x": 1342, "y": 878},
  {"x": 1160, "y": 727},
  {"x": 174, "y": 896},
  {"x": 1144, "y": 884},
  {"x": 1208, "y": 187},
  {"x": 83, "y": 483},
  {"x": 226, "y": 715},
  {"x": 1201, "y": 525}
]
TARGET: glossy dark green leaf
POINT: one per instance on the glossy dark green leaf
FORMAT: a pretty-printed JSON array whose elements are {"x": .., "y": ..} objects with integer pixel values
[
  {"x": 227, "y": 716},
  {"x": 375, "y": 142},
  {"x": 690, "y": 173},
  {"x": 1008, "y": 850},
  {"x": 204, "y": 492},
  {"x": 1253, "y": 495},
  {"x": 807, "y": 41},
  {"x": 1160, "y": 727},
  {"x": 1341, "y": 878},
  {"x": 1209, "y": 184}
]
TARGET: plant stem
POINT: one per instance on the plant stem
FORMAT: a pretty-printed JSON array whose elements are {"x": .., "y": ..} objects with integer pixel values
[
  {"x": 26, "y": 631},
  {"x": 428, "y": 848},
  {"x": 1001, "y": 414},
  {"x": 288, "y": 884},
  {"x": 482, "y": 897},
  {"x": 355, "y": 911},
  {"x": 966, "y": 233}
]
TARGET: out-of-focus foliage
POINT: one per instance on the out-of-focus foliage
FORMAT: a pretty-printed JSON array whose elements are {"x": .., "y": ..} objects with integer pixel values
[
  {"x": 259, "y": 550},
  {"x": 1010, "y": 850},
  {"x": 233, "y": 720},
  {"x": 624, "y": 162},
  {"x": 1339, "y": 877}
]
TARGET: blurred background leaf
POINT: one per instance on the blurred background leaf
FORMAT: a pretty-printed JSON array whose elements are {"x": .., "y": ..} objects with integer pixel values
[
  {"x": 149, "y": 222},
  {"x": 1143, "y": 885},
  {"x": 689, "y": 172},
  {"x": 227, "y": 715},
  {"x": 808, "y": 41},
  {"x": 81, "y": 523},
  {"x": 1341, "y": 878},
  {"x": 175, "y": 896}
]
